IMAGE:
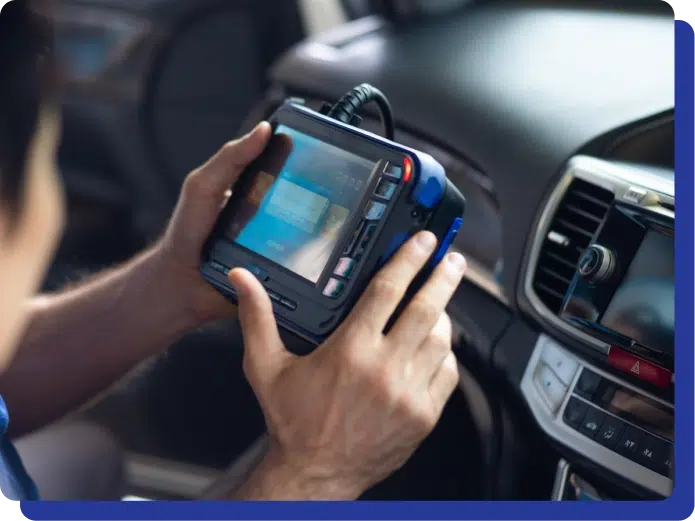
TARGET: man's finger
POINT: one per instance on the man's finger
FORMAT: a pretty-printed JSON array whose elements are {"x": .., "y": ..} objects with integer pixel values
[
  {"x": 264, "y": 352},
  {"x": 279, "y": 149},
  {"x": 443, "y": 383},
  {"x": 388, "y": 287},
  {"x": 222, "y": 169},
  {"x": 433, "y": 351},
  {"x": 425, "y": 308}
]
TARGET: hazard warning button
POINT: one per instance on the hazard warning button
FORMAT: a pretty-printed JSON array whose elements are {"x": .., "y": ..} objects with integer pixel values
[{"x": 639, "y": 367}]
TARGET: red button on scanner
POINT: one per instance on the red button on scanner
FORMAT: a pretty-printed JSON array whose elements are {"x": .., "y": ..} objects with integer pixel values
[{"x": 639, "y": 367}]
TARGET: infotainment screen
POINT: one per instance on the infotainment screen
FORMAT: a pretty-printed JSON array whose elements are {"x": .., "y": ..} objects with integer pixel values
[
  {"x": 643, "y": 306},
  {"x": 299, "y": 201}
]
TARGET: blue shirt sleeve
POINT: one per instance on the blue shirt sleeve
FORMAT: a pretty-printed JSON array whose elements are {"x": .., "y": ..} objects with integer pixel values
[{"x": 15, "y": 483}]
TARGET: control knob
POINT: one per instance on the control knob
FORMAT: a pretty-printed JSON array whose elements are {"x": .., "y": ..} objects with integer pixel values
[{"x": 597, "y": 264}]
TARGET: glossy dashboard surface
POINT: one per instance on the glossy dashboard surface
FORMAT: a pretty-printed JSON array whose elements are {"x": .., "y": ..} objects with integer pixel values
[{"x": 516, "y": 88}]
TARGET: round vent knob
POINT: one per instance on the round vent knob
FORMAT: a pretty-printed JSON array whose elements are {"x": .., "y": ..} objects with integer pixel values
[{"x": 597, "y": 264}]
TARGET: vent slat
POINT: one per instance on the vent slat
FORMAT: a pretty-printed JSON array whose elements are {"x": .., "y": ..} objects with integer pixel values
[
  {"x": 551, "y": 291},
  {"x": 572, "y": 208},
  {"x": 565, "y": 262},
  {"x": 589, "y": 197},
  {"x": 578, "y": 217},
  {"x": 574, "y": 228},
  {"x": 556, "y": 275}
]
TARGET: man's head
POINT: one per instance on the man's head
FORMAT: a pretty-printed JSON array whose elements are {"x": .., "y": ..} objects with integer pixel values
[{"x": 31, "y": 203}]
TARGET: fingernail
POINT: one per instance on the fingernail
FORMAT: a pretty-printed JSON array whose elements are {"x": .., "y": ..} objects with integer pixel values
[
  {"x": 456, "y": 261},
  {"x": 254, "y": 130},
  {"x": 259, "y": 126},
  {"x": 231, "y": 278},
  {"x": 426, "y": 240}
]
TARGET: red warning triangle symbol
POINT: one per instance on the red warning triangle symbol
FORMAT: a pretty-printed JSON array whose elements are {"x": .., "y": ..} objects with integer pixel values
[{"x": 635, "y": 368}]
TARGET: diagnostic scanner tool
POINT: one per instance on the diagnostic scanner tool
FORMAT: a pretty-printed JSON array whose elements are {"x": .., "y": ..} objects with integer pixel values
[{"x": 324, "y": 206}]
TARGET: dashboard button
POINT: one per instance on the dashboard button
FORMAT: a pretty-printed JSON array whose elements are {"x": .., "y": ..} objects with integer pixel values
[
  {"x": 648, "y": 452},
  {"x": 374, "y": 211},
  {"x": 639, "y": 368},
  {"x": 344, "y": 267},
  {"x": 629, "y": 443},
  {"x": 592, "y": 421},
  {"x": 663, "y": 463},
  {"x": 385, "y": 189},
  {"x": 605, "y": 393},
  {"x": 574, "y": 412},
  {"x": 610, "y": 432},
  {"x": 333, "y": 288},
  {"x": 564, "y": 366},
  {"x": 551, "y": 387},
  {"x": 587, "y": 384}
]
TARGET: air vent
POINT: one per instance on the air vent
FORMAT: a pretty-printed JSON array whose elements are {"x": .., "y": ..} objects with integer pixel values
[{"x": 578, "y": 217}]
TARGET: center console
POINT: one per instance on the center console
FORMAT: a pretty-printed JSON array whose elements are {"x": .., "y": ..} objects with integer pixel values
[
  {"x": 571, "y": 486},
  {"x": 610, "y": 422},
  {"x": 601, "y": 272}
]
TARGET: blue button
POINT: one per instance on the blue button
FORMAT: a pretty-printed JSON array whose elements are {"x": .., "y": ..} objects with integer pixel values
[
  {"x": 374, "y": 211},
  {"x": 385, "y": 189},
  {"x": 448, "y": 239},
  {"x": 394, "y": 171}
]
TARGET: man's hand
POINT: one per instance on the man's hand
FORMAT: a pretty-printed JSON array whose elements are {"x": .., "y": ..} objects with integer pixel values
[
  {"x": 204, "y": 193},
  {"x": 346, "y": 416},
  {"x": 99, "y": 330}
]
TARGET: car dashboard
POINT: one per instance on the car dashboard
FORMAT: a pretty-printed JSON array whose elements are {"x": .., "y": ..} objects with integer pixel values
[{"x": 545, "y": 122}]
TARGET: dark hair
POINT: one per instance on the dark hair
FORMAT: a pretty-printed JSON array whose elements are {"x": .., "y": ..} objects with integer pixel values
[{"x": 26, "y": 72}]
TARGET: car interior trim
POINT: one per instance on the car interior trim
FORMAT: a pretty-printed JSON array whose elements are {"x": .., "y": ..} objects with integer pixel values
[
  {"x": 551, "y": 421},
  {"x": 482, "y": 278},
  {"x": 563, "y": 469},
  {"x": 619, "y": 179},
  {"x": 147, "y": 474}
]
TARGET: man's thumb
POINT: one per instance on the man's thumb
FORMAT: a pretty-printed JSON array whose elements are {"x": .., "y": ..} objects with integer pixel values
[{"x": 264, "y": 352}]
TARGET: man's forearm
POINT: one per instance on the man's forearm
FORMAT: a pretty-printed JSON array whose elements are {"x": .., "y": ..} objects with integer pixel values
[
  {"x": 81, "y": 341},
  {"x": 277, "y": 481}
]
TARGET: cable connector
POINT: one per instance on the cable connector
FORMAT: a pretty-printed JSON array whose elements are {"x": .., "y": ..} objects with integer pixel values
[
  {"x": 345, "y": 110},
  {"x": 325, "y": 108}
]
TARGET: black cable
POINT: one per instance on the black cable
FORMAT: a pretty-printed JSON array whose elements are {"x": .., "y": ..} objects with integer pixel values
[{"x": 345, "y": 110}]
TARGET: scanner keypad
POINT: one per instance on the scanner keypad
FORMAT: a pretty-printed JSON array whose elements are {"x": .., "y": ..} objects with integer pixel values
[{"x": 361, "y": 238}]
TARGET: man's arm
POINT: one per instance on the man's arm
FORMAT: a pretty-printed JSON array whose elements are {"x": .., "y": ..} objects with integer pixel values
[
  {"x": 276, "y": 480},
  {"x": 81, "y": 341}
]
